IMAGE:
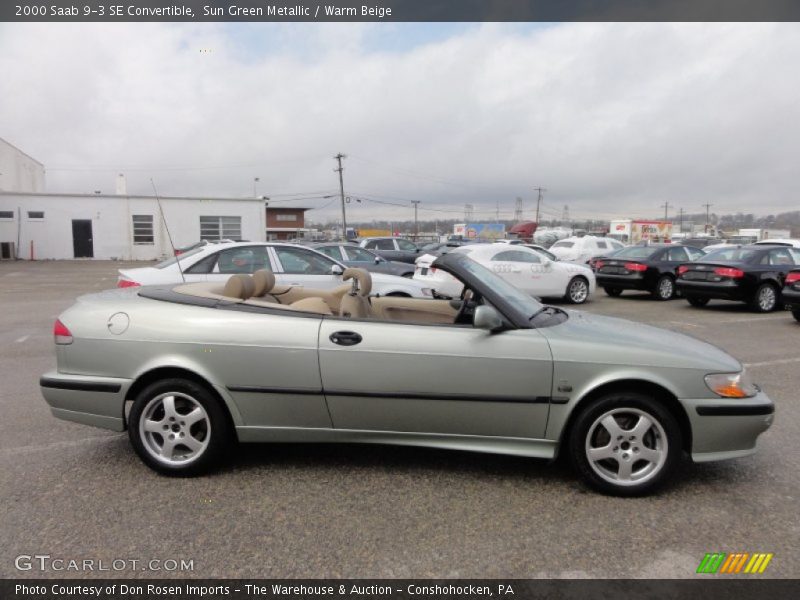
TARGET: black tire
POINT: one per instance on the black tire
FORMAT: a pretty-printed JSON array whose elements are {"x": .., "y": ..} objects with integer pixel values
[
  {"x": 613, "y": 291},
  {"x": 408, "y": 275},
  {"x": 212, "y": 433},
  {"x": 697, "y": 301},
  {"x": 661, "y": 442},
  {"x": 765, "y": 298},
  {"x": 577, "y": 290},
  {"x": 796, "y": 314},
  {"x": 665, "y": 288}
]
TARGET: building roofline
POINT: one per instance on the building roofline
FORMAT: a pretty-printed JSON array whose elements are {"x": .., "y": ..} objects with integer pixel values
[
  {"x": 5, "y": 141},
  {"x": 121, "y": 196},
  {"x": 287, "y": 207}
]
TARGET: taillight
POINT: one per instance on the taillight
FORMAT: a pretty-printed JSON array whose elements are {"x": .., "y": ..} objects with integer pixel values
[
  {"x": 635, "y": 267},
  {"x": 61, "y": 335},
  {"x": 792, "y": 278},
  {"x": 729, "y": 272},
  {"x": 599, "y": 264},
  {"x": 123, "y": 283},
  {"x": 682, "y": 269}
]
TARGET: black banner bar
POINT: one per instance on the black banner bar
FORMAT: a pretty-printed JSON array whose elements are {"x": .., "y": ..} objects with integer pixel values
[
  {"x": 398, "y": 10},
  {"x": 707, "y": 587}
]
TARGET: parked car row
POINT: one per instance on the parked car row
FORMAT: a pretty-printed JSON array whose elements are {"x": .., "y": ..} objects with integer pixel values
[{"x": 764, "y": 275}]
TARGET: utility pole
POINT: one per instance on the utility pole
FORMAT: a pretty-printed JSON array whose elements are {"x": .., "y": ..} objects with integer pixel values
[
  {"x": 339, "y": 158},
  {"x": 708, "y": 208},
  {"x": 665, "y": 206},
  {"x": 680, "y": 221},
  {"x": 518, "y": 210},
  {"x": 255, "y": 183},
  {"x": 539, "y": 200},
  {"x": 497, "y": 211},
  {"x": 416, "y": 228}
]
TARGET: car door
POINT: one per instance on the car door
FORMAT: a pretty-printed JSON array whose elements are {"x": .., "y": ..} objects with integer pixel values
[
  {"x": 438, "y": 379},
  {"x": 297, "y": 266},
  {"x": 526, "y": 270},
  {"x": 383, "y": 247},
  {"x": 407, "y": 252}
]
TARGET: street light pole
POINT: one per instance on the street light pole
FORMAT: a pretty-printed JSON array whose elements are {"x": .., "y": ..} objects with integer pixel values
[
  {"x": 339, "y": 158},
  {"x": 255, "y": 183},
  {"x": 416, "y": 227}
]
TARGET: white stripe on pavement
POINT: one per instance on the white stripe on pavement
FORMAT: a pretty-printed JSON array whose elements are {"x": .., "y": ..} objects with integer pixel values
[{"x": 769, "y": 363}]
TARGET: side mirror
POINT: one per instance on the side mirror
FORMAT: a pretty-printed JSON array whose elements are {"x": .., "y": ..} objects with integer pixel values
[
  {"x": 336, "y": 270},
  {"x": 546, "y": 262},
  {"x": 487, "y": 318},
  {"x": 377, "y": 260}
]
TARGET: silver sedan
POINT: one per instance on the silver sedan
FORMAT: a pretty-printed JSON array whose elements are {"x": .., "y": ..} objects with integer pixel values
[{"x": 189, "y": 368}]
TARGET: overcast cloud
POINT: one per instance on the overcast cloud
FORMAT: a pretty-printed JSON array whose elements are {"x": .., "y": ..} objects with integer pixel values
[{"x": 613, "y": 119}]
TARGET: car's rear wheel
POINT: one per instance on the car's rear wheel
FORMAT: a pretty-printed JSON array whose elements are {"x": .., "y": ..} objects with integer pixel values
[
  {"x": 765, "y": 299},
  {"x": 408, "y": 275},
  {"x": 697, "y": 301},
  {"x": 625, "y": 444},
  {"x": 177, "y": 427},
  {"x": 613, "y": 291},
  {"x": 665, "y": 288},
  {"x": 577, "y": 290},
  {"x": 796, "y": 314}
]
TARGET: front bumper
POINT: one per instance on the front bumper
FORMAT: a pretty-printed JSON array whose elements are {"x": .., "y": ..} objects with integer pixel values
[
  {"x": 96, "y": 401},
  {"x": 724, "y": 428}
]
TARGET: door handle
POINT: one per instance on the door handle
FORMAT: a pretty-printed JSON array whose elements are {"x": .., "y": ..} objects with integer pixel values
[{"x": 345, "y": 338}]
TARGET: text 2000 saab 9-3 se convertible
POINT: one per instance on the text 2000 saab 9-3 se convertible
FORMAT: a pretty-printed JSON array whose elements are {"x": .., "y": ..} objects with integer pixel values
[{"x": 496, "y": 371}]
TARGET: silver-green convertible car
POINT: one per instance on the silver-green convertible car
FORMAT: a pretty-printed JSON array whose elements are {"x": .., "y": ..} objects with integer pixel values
[{"x": 190, "y": 369}]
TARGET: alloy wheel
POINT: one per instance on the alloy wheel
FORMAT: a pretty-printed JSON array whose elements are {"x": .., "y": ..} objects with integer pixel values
[
  {"x": 175, "y": 428},
  {"x": 666, "y": 288},
  {"x": 626, "y": 446},
  {"x": 766, "y": 298},
  {"x": 578, "y": 291}
]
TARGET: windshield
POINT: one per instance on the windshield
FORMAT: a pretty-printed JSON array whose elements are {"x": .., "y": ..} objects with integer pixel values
[
  {"x": 525, "y": 305},
  {"x": 174, "y": 259},
  {"x": 635, "y": 252},
  {"x": 563, "y": 245},
  {"x": 733, "y": 254}
]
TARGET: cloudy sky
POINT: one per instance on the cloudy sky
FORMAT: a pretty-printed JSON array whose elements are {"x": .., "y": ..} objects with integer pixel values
[{"x": 612, "y": 119}]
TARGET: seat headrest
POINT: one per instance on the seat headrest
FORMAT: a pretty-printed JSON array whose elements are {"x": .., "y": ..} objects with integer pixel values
[
  {"x": 363, "y": 279},
  {"x": 239, "y": 286},
  {"x": 264, "y": 281}
]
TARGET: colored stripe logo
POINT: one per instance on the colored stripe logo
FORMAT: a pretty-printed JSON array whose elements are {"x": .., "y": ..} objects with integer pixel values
[{"x": 734, "y": 563}]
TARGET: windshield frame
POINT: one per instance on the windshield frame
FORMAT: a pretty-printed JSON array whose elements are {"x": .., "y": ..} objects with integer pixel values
[{"x": 515, "y": 305}]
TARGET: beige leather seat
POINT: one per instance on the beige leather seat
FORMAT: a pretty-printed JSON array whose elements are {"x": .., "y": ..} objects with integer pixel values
[
  {"x": 239, "y": 286},
  {"x": 354, "y": 304},
  {"x": 264, "y": 281}
]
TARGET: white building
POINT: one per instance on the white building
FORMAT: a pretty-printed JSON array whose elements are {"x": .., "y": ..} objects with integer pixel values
[
  {"x": 18, "y": 171},
  {"x": 105, "y": 226}
]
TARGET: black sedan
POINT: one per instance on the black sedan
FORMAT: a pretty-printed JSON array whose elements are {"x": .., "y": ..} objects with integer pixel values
[
  {"x": 791, "y": 292},
  {"x": 650, "y": 268},
  {"x": 751, "y": 274},
  {"x": 355, "y": 256}
]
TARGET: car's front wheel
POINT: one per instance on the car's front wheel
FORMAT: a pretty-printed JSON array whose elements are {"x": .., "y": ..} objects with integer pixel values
[
  {"x": 796, "y": 314},
  {"x": 665, "y": 288},
  {"x": 177, "y": 427},
  {"x": 625, "y": 444},
  {"x": 577, "y": 290}
]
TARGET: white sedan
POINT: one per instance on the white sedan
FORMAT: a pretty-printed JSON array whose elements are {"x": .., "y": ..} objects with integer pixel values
[
  {"x": 582, "y": 249},
  {"x": 292, "y": 265},
  {"x": 529, "y": 270}
]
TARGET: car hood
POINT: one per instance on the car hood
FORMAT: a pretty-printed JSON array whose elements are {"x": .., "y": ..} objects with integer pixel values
[{"x": 586, "y": 337}]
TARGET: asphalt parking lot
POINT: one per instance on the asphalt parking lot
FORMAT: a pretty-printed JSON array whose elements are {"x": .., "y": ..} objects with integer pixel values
[{"x": 74, "y": 492}]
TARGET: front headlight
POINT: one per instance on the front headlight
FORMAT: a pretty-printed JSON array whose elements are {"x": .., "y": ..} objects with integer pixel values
[{"x": 731, "y": 385}]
